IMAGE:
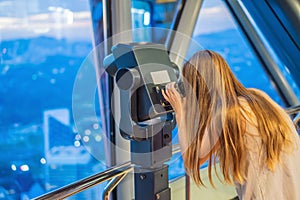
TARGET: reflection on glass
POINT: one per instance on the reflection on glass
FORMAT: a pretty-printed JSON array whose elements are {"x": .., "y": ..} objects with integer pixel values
[
  {"x": 42, "y": 45},
  {"x": 152, "y": 14}
]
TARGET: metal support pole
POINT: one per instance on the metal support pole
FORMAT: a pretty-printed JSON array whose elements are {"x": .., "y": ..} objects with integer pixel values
[
  {"x": 111, "y": 185},
  {"x": 187, "y": 187}
]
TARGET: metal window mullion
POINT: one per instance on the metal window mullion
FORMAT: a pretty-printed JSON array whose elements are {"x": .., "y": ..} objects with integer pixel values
[
  {"x": 180, "y": 41},
  {"x": 268, "y": 62},
  {"x": 121, "y": 25}
]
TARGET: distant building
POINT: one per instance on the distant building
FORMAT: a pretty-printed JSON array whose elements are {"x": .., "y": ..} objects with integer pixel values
[{"x": 66, "y": 159}]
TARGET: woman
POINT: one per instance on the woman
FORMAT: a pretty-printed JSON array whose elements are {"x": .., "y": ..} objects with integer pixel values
[{"x": 248, "y": 134}]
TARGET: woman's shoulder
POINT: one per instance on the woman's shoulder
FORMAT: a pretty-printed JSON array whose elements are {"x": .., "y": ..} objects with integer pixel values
[
  {"x": 268, "y": 99},
  {"x": 257, "y": 90},
  {"x": 261, "y": 93}
]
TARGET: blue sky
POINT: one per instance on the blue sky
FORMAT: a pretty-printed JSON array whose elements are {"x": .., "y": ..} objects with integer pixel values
[{"x": 214, "y": 17}]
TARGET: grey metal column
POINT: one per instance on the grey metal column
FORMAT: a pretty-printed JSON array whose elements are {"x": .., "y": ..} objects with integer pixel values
[
  {"x": 181, "y": 40},
  {"x": 121, "y": 22},
  {"x": 117, "y": 18}
]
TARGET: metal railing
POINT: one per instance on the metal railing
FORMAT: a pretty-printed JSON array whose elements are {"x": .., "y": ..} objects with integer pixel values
[
  {"x": 296, "y": 121},
  {"x": 295, "y": 110},
  {"x": 175, "y": 149},
  {"x": 115, "y": 174}
]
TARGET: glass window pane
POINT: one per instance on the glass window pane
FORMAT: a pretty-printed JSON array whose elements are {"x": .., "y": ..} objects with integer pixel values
[
  {"x": 275, "y": 55},
  {"x": 42, "y": 46},
  {"x": 282, "y": 67},
  {"x": 217, "y": 30}
]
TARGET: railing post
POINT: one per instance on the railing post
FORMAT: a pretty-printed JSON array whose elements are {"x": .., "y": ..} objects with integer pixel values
[{"x": 111, "y": 186}]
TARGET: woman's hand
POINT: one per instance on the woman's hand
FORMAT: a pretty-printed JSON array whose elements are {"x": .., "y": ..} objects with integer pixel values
[
  {"x": 177, "y": 102},
  {"x": 174, "y": 98}
]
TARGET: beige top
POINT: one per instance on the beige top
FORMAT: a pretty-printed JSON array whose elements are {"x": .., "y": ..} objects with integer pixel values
[{"x": 281, "y": 184}]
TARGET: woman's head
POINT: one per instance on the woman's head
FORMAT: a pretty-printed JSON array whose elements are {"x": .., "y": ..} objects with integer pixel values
[
  {"x": 213, "y": 106},
  {"x": 211, "y": 92},
  {"x": 210, "y": 71}
]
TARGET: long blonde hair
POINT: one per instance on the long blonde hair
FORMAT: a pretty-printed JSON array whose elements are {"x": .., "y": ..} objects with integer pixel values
[{"x": 212, "y": 105}]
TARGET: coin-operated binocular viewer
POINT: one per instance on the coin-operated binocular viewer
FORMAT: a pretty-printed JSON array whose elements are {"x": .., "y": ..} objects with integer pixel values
[{"x": 140, "y": 73}]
